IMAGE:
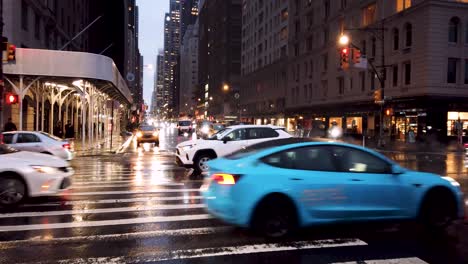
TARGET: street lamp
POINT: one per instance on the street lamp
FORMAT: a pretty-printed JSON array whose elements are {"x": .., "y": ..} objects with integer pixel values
[
  {"x": 225, "y": 87},
  {"x": 344, "y": 40},
  {"x": 211, "y": 98}
]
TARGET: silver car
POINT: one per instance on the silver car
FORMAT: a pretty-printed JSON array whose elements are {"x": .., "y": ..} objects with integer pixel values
[{"x": 38, "y": 142}]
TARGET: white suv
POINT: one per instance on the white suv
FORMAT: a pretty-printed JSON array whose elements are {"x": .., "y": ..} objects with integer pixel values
[{"x": 196, "y": 153}]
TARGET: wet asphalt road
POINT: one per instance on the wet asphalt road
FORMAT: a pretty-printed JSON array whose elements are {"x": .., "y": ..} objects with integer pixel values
[{"x": 140, "y": 207}]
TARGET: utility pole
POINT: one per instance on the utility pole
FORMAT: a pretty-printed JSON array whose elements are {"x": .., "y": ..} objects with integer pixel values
[{"x": 382, "y": 87}]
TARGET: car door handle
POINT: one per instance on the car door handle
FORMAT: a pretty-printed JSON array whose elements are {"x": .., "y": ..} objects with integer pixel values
[
  {"x": 296, "y": 179},
  {"x": 356, "y": 180}
]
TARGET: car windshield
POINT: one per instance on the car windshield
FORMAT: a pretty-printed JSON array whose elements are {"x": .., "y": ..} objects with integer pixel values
[
  {"x": 220, "y": 134},
  {"x": 218, "y": 127},
  {"x": 51, "y": 136},
  {"x": 147, "y": 128},
  {"x": 185, "y": 123},
  {"x": 4, "y": 149}
]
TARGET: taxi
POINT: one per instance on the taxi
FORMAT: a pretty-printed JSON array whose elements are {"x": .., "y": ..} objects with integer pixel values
[{"x": 277, "y": 186}]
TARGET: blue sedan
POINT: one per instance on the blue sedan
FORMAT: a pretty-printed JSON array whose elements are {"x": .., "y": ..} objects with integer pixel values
[{"x": 277, "y": 186}]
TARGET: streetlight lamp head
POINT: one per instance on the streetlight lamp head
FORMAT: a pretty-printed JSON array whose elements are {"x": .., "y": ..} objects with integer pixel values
[
  {"x": 344, "y": 40},
  {"x": 225, "y": 87}
]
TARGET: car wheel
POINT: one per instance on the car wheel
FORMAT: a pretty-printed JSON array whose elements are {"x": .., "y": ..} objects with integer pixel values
[
  {"x": 438, "y": 212},
  {"x": 201, "y": 163},
  {"x": 47, "y": 153},
  {"x": 12, "y": 191},
  {"x": 275, "y": 218}
]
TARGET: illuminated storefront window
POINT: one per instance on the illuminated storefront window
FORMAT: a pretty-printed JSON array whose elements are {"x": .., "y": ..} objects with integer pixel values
[
  {"x": 354, "y": 125},
  {"x": 452, "y": 120},
  {"x": 336, "y": 121}
]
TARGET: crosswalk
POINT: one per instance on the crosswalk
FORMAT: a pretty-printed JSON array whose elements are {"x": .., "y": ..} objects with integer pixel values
[{"x": 126, "y": 209}]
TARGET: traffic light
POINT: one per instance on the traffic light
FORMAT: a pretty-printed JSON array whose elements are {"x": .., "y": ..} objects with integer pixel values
[
  {"x": 356, "y": 56},
  {"x": 378, "y": 95},
  {"x": 11, "y": 98},
  {"x": 389, "y": 112},
  {"x": 344, "y": 58},
  {"x": 11, "y": 52}
]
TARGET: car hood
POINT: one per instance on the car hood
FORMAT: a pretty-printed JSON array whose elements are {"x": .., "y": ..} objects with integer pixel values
[
  {"x": 32, "y": 158},
  {"x": 192, "y": 142}
]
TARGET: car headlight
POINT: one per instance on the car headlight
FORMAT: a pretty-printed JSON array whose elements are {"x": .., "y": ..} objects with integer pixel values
[
  {"x": 139, "y": 134},
  {"x": 44, "y": 169},
  {"x": 185, "y": 148},
  {"x": 155, "y": 134},
  {"x": 452, "y": 181},
  {"x": 205, "y": 130}
]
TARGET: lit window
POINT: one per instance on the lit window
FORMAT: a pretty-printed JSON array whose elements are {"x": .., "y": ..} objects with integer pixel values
[
  {"x": 402, "y": 5},
  {"x": 369, "y": 14}
]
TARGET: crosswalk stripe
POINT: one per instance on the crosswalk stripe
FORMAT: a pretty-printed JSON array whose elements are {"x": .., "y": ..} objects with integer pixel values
[
  {"x": 129, "y": 192},
  {"x": 98, "y": 183},
  {"x": 121, "y": 236},
  {"x": 223, "y": 251},
  {"x": 104, "y": 210},
  {"x": 140, "y": 220},
  {"x": 116, "y": 201},
  {"x": 78, "y": 186},
  {"x": 412, "y": 260}
]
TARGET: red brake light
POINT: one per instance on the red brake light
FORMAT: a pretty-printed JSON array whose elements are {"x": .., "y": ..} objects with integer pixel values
[
  {"x": 225, "y": 179},
  {"x": 67, "y": 146}
]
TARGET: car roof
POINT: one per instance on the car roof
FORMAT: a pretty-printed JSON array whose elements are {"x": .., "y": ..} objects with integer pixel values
[
  {"x": 22, "y": 131},
  {"x": 254, "y": 126}
]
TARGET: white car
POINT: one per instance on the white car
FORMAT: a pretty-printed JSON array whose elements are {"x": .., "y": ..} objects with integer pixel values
[
  {"x": 27, "y": 174},
  {"x": 38, "y": 142},
  {"x": 196, "y": 153}
]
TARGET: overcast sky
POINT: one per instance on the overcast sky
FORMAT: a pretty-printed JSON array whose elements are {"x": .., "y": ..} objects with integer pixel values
[{"x": 151, "y": 38}]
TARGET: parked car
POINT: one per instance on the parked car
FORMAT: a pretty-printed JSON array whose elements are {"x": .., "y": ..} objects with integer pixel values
[
  {"x": 39, "y": 142},
  {"x": 147, "y": 134},
  {"x": 281, "y": 185},
  {"x": 27, "y": 174},
  {"x": 196, "y": 153}
]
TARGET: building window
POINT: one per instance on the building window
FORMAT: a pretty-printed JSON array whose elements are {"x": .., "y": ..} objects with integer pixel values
[
  {"x": 466, "y": 71},
  {"x": 452, "y": 70},
  {"x": 340, "y": 85},
  {"x": 310, "y": 43},
  {"x": 454, "y": 24},
  {"x": 409, "y": 35},
  {"x": 407, "y": 67},
  {"x": 351, "y": 83},
  {"x": 284, "y": 33},
  {"x": 372, "y": 81},
  {"x": 374, "y": 47},
  {"x": 284, "y": 15},
  {"x": 402, "y": 5},
  {"x": 326, "y": 36},
  {"x": 396, "y": 39},
  {"x": 343, "y": 4},
  {"x": 362, "y": 77},
  {"x": 369, "y": 14},
  {"x": 325, "y": 62},
  {"x": 364, "y": 47},
  {"x": 466, "y": 33},
  {"x": 24, "y": 15},
  {"x": 305, "y": 91},
  {"x": 395, "y": 75},
  {"x": 37, "y": 26},
  {"x": 326, "y": 5}
]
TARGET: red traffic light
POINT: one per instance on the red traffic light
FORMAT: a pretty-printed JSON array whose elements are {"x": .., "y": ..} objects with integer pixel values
[
  {"x": 11, "y": 52},
  {"x": 344, "y": 51},
  {"x": 11, "y": 98}
]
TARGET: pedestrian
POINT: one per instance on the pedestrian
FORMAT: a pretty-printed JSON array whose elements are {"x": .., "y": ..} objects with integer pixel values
[
  {"x": 58, "y": 130},
  {"x": 69, "y": 130},
  {"x": 411, "y": 136},
  {"x": 9, "y": 126}
]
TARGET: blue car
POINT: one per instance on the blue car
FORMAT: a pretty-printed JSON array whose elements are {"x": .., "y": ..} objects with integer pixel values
[{"x": 277, "y": 186}]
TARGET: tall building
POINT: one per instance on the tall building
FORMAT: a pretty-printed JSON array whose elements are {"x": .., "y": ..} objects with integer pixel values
[
  {"x": 47, "y": 24},
  {"x": 220, "y": 27},
  {"x": 188, "y": 70},
  {"x": 422, "y": 50},
  {"x": 188, "y": 15},
  {"x": 159, "y": 81},
  {"x": 171, "y": 54},
  {"x": 264, "y": 60}
]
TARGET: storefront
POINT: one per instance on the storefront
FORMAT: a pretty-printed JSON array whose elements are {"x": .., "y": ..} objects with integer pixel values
[
  {"x": 335, "y": 121},
  {"x": 353, "y": 125},
  {"x": 453, "y": 118}
]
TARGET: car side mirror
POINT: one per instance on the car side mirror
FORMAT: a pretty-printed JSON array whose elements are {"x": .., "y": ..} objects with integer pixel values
[
  {"x": 226, "y": 139},
  {"x": 397, "y": 170}
]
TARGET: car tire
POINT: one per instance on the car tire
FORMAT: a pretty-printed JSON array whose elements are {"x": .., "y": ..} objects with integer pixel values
[
  {"x": 275, "y": 218},
  {"x": 12, "y": 191},
  {"x": 438, "y": 212},
  {"x": 200, "y": 162}
]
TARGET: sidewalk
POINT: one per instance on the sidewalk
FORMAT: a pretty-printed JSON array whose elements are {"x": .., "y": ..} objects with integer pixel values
[{"x": 98, "y": 146}]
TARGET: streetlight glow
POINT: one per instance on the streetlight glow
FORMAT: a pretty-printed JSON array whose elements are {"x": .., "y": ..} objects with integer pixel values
[
  {"x": 226, "y": 87},
  {"x": 344, "y": 40}
]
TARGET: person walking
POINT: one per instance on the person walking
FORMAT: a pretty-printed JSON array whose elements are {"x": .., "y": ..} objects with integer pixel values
[
  {"x": 9, "y": 126},
  {"x": 69, "y": 130},
  {"x": 58, "y": 131}
]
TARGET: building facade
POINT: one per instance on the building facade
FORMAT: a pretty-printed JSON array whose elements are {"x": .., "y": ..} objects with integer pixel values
[
  {"x": 220, "y": 29},
  {"x": 264, "y": 61},
  {"x": 188, "y": 70},
  {"x": 188, "y": 15}
]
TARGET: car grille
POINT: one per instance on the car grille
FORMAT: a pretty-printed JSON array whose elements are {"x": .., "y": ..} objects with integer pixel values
[
  {"x": 64, "y": 169},
  {"x": 177, "y": 152},
  {"x": 65, "y": 183}
]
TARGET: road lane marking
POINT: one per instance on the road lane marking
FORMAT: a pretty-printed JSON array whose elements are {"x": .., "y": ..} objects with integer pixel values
[
  {"x": 148, "y": 184},
  {"x": 114, "y": 222},
  {"x": 71, "y": 193},
  {"x": 122, "y": 236},
  {"x": 223, "y": 251},
  {"x": 186, "y": 199},
  {"x": 105, "y": 210},
  {"x": 168, "y": 183},
  {"x": 412, "y": 260}
]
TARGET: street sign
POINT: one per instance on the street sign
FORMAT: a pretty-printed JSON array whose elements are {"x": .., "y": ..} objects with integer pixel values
[
  {"x": 362, "y": 63},
  {"x": 379, "y": 102}
]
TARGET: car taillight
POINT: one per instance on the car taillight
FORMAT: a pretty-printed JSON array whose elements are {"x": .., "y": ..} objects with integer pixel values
[
  {"x": 66, "y": 146},
  {"x": 225, "y": 179}
]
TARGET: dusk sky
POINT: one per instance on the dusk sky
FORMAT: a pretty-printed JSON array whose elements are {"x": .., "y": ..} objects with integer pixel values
[{"x": 151, "y": 38}]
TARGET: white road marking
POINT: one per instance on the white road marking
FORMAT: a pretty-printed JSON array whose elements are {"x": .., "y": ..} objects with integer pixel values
[
  {"x": 222, "y": 251},
  {"x": 140, "y": 220},
  {"x": 109, "y": 183},
  {"x": 387, "y": 261},
  {"x": 123, "y": 236},
  {"x": 148, "y": 184},
  {"x": 186, "y": 198},
  {"x": 129, "y": 192},
  {"x": 105, "y": 210}
]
